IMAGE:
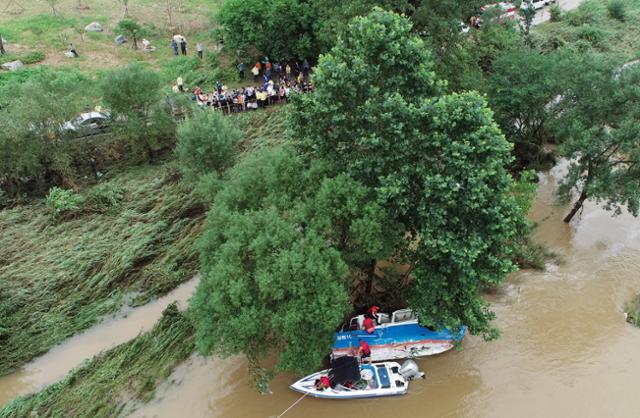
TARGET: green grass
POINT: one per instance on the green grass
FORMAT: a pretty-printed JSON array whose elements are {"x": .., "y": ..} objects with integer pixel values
[
  {"x": 633, "y": 311},
  {"x": 113, "y": 381},
  {"x": 37, "y": 29},
  {"x": 591, "y": 28},
  {"x": 60, "y": 277}
]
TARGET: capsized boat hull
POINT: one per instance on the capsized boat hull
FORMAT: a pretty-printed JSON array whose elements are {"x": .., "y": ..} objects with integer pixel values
[
  {"x": 384, "y": 380},
  {"x": 397, "y": 341}
]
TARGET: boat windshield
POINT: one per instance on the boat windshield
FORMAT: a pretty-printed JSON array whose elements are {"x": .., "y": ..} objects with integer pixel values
[
  {"x": 369, "y": 376},
  {"x": 403, "y": 315}
]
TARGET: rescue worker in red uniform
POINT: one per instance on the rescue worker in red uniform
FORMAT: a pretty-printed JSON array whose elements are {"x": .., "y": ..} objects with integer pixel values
[
  {"x": 323, "y": 383},
  {"x": 369, "y": 325},
  {"x": 364, "y": 351}
]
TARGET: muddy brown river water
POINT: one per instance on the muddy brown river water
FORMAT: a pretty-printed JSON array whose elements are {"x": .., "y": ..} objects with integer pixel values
[
  {"x": 565, "y": 350},
  {"x": 122, "y": 327}
]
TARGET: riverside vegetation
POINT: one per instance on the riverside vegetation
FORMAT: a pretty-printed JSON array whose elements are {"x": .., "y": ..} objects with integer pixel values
[{"x": 313, "y": 190}]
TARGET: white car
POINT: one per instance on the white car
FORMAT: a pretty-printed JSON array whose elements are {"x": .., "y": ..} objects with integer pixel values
[
  {"x": 537, "y": 4},
  {"x": 88, "y": 123}
]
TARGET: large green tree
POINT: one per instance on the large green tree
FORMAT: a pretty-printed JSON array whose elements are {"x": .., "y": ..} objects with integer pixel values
[
  {"x": 522, "y": 86},
  {"x": 436, "y": 162},
  {"x": 280, "y": 29},
  {"x": 598, "y": 126},
  {"x": 133, "y": 96},
  {"x": 33, "y": 153},
  {"x": 278, "y": 256}
]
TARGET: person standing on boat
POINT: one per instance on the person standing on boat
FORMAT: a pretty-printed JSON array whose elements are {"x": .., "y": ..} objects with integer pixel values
[
  {"x": 369, "y": 325},
  {"x": 373, "y": 314},
  {"x": 364, "y": 351}
]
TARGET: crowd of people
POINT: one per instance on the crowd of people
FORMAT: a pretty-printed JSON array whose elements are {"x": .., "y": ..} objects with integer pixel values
[{"x": 279, "y": 83}]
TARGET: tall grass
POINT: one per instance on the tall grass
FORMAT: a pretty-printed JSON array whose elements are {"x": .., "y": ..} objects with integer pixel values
[
  {"x": 633, "y": 311},
  {"x": 592, "y": 26},
  {"x": 112, "y": 381},
  {"x": 60, "y": 277}
]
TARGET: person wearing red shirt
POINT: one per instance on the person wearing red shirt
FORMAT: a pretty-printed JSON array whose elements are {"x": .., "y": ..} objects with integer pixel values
[
  {"x": 369, "y": 325},
  {"x": 323, "y": 383},
  {"x": 373, "y": 313},
  {"x": 364, "y": 351}
]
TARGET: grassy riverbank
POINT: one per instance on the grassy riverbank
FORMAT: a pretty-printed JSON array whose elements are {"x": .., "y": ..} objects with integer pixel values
[
  {"x": 593, "y": 27},
  {"x": 112, "y": 382},
  {"x": 58, "y": 277}
]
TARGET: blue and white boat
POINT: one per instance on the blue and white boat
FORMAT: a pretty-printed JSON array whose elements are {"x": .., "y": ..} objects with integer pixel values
[
  {"x": 351, "y": 380},
  {"x": 397, "y": 336}
]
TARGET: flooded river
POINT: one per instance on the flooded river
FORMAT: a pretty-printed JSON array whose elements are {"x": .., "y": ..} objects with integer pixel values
[
  {"x": 565, "y": 350},
  {"x": 124, "y": 326}
]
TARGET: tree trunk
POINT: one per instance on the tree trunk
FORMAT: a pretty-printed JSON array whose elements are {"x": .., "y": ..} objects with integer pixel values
[
  {"x": 371, "y": 273},
  {"x": 135, "y": 42},
  {"x": 2, "y": 51},
  {"x": 576, "y": 207}
]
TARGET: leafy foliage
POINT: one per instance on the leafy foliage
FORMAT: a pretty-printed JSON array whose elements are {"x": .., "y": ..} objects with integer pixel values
[
  {"x": 617, "y": 10},
  {"x": 133, "y": 95},
  {"x": 264, "y": 276},
  {"x": 206, "y": 144},
  {"x": 32, "y": 112},
  {"x": 280, "y": 29},
  {"x": 521, "y": 86},
  {"x": 599, "y": 133},
  {"x": 63, "y": 201},
  {"x": 131, "y": 29},
  {"x": 555, "y": 13},
  {"x": 436, "y": 163},
  {"x": 33, "y": 57}
]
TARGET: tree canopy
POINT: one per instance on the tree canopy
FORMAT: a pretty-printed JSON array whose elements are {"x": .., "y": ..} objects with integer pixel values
[
  {"x": 598, "y": 127},
  {"x": 522, "y": 85},
  {"x": 436, "y": 162},
  {"x": 384, "y": 166},
  {"x": 275, "y": 259}
]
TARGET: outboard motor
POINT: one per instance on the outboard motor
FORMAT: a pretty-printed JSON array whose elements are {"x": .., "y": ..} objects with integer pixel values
[{"x": 410, "y": 371}]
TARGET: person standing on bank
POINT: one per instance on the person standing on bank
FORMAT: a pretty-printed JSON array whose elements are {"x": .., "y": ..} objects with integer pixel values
[
  {"x": 241, "y": 70},
  {"x": 174, "y": 46},
  {"x": 183, "y": 46},
  {"x": 199, "y": 50}
]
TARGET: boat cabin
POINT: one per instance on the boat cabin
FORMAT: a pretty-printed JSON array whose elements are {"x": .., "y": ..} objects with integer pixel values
[{"x": 396, "y": 317}]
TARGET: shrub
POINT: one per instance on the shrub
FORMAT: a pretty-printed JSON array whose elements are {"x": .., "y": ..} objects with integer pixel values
[
  {"x": 63, "y": 202},
  {"x": 105, "y": 196},
  {"x": 555, "y": 13},
  {"x": 33, "y": 57},
  {"x": 616, "y": 9},
  {"x": 585, "y": 14},
  {"x": 633, "y": 311},
  {"x": 596, "y": 37},
  {"x": 206, "y": 144}
]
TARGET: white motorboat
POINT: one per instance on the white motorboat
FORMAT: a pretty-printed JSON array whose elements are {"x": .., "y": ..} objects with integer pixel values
[{"x": 351, "y": 380}]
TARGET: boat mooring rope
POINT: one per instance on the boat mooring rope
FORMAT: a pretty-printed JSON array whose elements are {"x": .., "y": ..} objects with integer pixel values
[{"x": 292, "y": 405}]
